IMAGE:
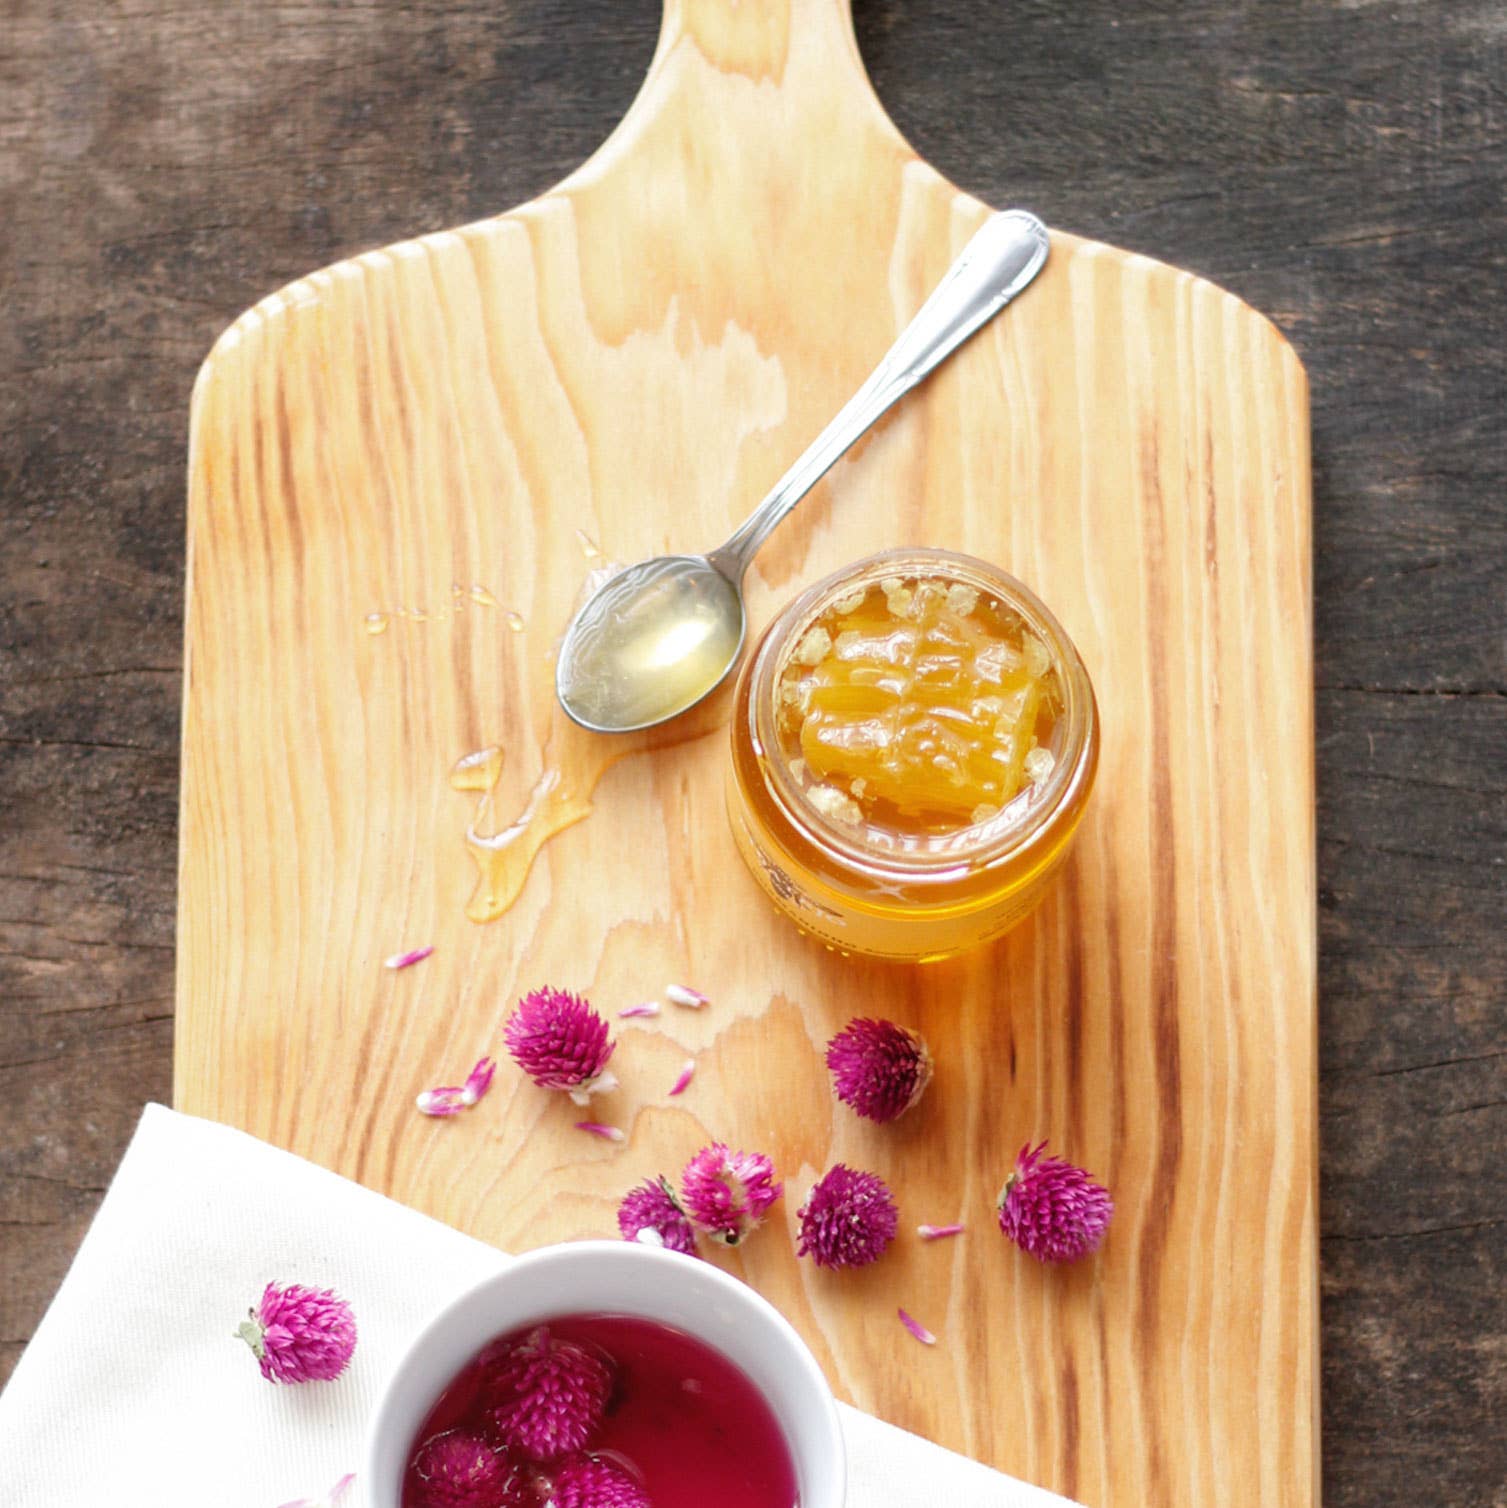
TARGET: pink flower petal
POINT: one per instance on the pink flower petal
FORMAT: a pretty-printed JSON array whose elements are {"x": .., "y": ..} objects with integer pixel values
[
  {"x": 448, "y": 1099},
  {"x": 647, "y": 1008},
  {"x": 451, "y": 1099},
  {"x": 937, "y": 1232},
  {"x": 686, "y": 1075},
  {"x": 683, "y": 994},
  {"x": 330, "y": 1499},
  {"x": 596, "y": 1128},
  {"x": 917, "y": 1329},
  {"x": 407, "y": 960},
  {"x": 479, "y": 1081}
]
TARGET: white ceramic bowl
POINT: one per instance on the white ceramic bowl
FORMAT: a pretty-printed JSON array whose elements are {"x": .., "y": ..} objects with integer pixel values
[{"x": 617, "y": 1277}]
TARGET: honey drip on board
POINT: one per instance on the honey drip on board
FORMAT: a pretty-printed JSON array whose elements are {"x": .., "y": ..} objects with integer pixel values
[
  {"x": 478, "y": 771},
  {"x": 574, "y": 762},
  {"x": 505, "y": 855},
  {"x": 559, "y": 798},
  {"x": 380, "y": 620}
]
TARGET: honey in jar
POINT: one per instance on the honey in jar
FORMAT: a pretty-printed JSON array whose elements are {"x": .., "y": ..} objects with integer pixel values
[{"x": 914, "y": 740}]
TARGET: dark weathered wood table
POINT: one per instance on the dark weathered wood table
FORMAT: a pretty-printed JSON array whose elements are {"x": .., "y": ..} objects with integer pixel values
[{"x": 1340, "y": 166}]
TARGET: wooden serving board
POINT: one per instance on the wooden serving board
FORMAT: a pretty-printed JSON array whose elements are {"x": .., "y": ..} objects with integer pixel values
[{"x": 629, "y": 362}]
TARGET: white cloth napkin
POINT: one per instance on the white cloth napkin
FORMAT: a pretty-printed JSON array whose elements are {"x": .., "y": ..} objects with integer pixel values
[{"x": 134, "y": 1391}]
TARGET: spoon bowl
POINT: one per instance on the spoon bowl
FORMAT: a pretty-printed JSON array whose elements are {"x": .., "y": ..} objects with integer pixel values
[
  {"x": 662, "y": 635},
  {"x": 653, "y": 641}
]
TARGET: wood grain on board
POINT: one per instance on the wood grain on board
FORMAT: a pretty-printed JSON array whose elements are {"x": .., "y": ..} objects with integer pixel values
[{"x": 624, "y": 365}]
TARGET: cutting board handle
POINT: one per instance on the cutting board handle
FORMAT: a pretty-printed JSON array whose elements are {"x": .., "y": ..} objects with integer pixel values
[
  {"x": 757, "y": 37},
  {"x": 803, "y": 53}
]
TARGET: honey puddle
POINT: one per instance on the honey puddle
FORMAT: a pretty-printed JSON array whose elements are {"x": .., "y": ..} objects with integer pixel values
[
  {"x": 477, "y": 772},
  {"x": 575, "y": 762},
  {"x": 505, "y": 856}
]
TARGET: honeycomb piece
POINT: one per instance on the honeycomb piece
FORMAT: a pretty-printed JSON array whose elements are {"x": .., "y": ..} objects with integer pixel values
[{"x": 922, "y": 707}]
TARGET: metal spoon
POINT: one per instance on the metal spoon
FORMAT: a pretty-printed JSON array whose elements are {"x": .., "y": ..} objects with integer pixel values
[{"x": 663, "y": 634}]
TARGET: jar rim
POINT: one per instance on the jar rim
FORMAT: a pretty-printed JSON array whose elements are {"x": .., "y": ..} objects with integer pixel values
[{"x": 977, "y": 847}]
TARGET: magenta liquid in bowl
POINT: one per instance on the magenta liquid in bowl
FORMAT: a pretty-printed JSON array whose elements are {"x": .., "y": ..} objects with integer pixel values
[
  {"x": 693, "y": 1390},
  {"x": 662, "y": 1413}
]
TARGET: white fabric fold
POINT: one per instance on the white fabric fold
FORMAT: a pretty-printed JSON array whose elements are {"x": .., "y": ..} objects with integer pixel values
[{"x": 134, "y": 1390}]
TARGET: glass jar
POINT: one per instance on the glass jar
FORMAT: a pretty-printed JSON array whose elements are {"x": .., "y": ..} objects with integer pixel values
[{"x": 857, "y": 885}]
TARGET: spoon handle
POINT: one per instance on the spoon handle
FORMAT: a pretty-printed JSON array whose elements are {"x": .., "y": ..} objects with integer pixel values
[{"x": 1005, "y": 253}]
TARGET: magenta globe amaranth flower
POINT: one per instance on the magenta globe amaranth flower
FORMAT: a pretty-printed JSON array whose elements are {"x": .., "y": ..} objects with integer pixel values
[
  {"x": 652, "y": 1206},
  {"x": 848, "y": 1219},
  {"x": 459, "y": 1469},
  {"x": 300, "y": 1334},
  {"x": 588, "y": 1482},
  {"x": 726, "y": 1194},
  {"x": 560, "y": 1042},
  {"x": 1051, "y": 1208},
  {"x": 878, "y": 1068},
  {"x": 545, "y": 1397}
]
